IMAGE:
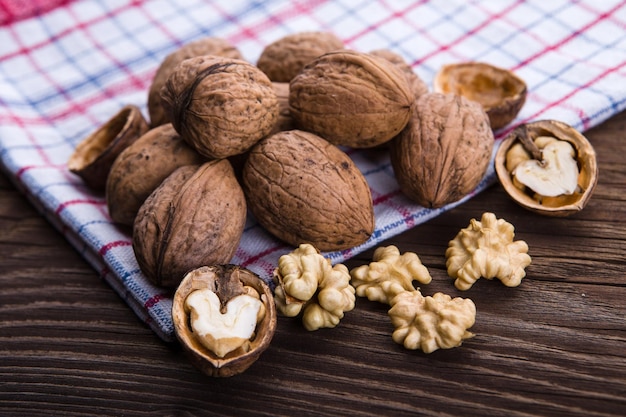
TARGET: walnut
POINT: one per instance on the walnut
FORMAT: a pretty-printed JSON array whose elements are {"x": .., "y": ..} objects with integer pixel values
[
  {"x": 93, "y": 157},
  {"x": 141, "y": 167},
  {"x": 303, "y": 189},
  {"x": 284, "y": 58},
  {"x": 563, "y": 173},
  {"x": 486, "y": 249},
  {"x": 203, "y": 46},
  {"x": 351, "y": 98},
  {"x": 431, "y": 323},
  {"x": 388, "y": 274},
  {"x": 501, "y": 93},
  {"x": 307, "y": 282},
  {"x": 206, "y": 325},
  {"x": 194, "y": 218},
  {"x": 418, "y": 86},
  {"x": 284, "y": 121},
  {"x": 444, "y": 151},
  {"x": 220, "y": 106}
]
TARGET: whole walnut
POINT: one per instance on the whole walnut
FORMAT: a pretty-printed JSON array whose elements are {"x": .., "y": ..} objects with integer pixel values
[
  {"x": 203, "y": 46},
  {"x": 444, "y": 151},
  {"x": 351, "y": 98},
  {"x": 303, "y": 189},
  {"x": 194, "y": 218},
  {"x": 220, "y": 106},
  {"x": 418, "y": 86},
  {"x": 141, "y": 167},
  {"x": 284, "y": 58}
]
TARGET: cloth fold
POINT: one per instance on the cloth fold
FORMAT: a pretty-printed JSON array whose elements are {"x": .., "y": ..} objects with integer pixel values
[{"x": 66, "y": 68}]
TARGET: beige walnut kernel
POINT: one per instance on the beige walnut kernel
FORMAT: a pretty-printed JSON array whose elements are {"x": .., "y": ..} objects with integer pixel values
[
  {"x": 307, "y": 282},
  {"x": 486, "y": 249},
  {"x": 388, "y": 274},
  {"x": 431, "y": 323},
  {"x": 444, "y": 151},
  {"x": 199, "y": 47},
  {"x": 284, "y": 58},
  {"x": 351, "y": 98},
  {"x": 220, "y": 106}
]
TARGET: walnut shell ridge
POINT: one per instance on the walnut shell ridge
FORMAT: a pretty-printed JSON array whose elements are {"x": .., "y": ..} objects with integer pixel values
[
  {"x": 194, "y": 218},
  {"x": 303, "y": 189},
  {"x": 351, "y": 98},
  {"x": 203, "y": 46},
  {"x": 220, "y": 106},
  {"x": 444, "y": 151}
]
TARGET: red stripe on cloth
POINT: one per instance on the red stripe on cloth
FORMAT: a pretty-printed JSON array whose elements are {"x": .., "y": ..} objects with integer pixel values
[
  {"x": 115, "y": 244},
  {"x": 154, "y": 300},
  {"x": 601, "y": 17},
  {"x": 12, "y": 11}
]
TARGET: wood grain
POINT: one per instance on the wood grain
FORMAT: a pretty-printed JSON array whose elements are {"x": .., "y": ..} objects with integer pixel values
[{"x": 554, "y": 346}]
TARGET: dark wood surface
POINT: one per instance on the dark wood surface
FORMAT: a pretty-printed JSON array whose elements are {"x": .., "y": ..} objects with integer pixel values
[{"x": 556, "y": 345}]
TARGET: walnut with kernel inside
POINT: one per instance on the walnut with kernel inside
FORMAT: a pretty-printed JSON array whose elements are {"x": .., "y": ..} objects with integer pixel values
[
  {"x": 486, "y": 249},
  {"x": 307, "y": 282},
  {"x": 388, "y": 274},
  {"x": 431, "y": 323}
]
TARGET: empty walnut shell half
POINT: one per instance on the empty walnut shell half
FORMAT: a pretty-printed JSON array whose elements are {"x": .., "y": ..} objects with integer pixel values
[
  {"x": 93, "y": 157},
  {"x": 227, "y": 281},
  {"x": 584, "y": 154},
  {"x": 501, "y": 93}
]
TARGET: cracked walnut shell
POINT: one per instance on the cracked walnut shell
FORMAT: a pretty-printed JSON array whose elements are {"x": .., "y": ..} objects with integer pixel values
[
  {"x": 220, "y": 106},
  {"x": 584, "y": 156},
  {"x": 444, "y": 151},
  {"x": 227, "y": 282}
]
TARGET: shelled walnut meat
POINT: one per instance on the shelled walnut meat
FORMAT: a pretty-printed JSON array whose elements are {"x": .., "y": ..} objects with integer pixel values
[
  {"x": 303, "y": 189},
  {"x": 204, "y": 46},
  {"x": 351, "y": 98},
  {"x": 141, "y": 167},
  {"x": 444, "y": 151},
  {"x": 220, "y": 106},
  {"x": 194, "y": 218}
]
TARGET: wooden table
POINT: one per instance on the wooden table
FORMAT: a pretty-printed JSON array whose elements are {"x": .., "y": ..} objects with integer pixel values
[{"x": 556, "y": 345}]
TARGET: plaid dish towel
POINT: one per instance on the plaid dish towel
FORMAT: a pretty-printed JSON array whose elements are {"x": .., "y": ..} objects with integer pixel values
[{"x": 66, "y": 67}]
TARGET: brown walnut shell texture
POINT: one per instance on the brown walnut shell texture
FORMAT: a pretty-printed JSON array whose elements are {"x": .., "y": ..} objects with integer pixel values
[
  {"x": 284, "y": 58},
  {"x": 351, "y": 98},
  {"x": 204, "y": 46},
  {"x": 444, "y": 151},
  {"x": 220, "y": 106},
  {"x": 215, "y": 278},
  {"x": 303, "y": 189},
  {"x": 141, "y": 167},
  {"x": 93, "y": 157},
  {"x": 560, "y": 206},
  {"x": 194, "y": 218},
  {"x": 418, "y": 86}
]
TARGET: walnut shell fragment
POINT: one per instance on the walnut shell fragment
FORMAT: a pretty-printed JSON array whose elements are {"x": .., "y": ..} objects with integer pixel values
[
  {"x": 444, "y": 151},
  {"x": 584, "y": 154},
  {"x": 284, "y": 58},
  {"x": 501, "y": 93},
  {"x": 351, "y": 98},
  {"x": 204, "y": 46},
  {"x": 93, "y": 157},
  {"x": 220, "y": 106},
  {"x": 227, "y": 281},
  {"x": 141, "y": 168},
  {"x": 303, "y": 189},
  {"x": 194, "y": 218}
]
